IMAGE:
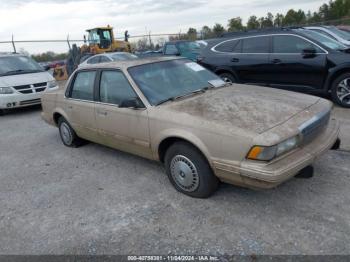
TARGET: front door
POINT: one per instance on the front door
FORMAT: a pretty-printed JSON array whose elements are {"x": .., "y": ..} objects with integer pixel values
[
  {"x": 125, "y": 129},
  {"x": 290, "y": 67}
]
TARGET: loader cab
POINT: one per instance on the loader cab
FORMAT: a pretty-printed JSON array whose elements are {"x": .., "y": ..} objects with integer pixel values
[{"x": 102, "y": 37}]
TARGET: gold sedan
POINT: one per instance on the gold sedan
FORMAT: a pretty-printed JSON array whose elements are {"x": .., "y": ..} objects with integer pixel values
[{"x": 204, "y": 130}]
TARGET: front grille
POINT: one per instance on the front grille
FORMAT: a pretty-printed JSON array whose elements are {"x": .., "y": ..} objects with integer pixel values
[
  {"x": 28, "y": 91},
  {"x": 22, "y": 87},
  {"x": 40, "y": 89},
  {"x": 311, "y": 128},
  {"x": 30, "y": 102},
  {"x": 40, "y": 84}
]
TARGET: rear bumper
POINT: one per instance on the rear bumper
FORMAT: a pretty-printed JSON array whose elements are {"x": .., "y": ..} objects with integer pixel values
[
  {"x": 19, "y": 100},
  {"x": 267, "y": 175}
]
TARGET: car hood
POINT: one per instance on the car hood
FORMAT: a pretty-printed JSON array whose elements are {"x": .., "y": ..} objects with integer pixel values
[
  {"x": 25, "y": 79},
  {"x": 250, "y": 108}
]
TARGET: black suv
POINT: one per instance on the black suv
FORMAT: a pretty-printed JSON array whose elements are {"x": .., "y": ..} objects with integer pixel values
[{"x": 297, "y": 59}]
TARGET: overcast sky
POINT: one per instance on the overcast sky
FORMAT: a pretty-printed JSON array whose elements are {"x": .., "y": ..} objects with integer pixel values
[{"x": 55, "y": 19}]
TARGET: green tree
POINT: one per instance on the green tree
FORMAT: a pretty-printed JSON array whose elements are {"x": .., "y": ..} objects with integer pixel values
[
  {"x": 192, "y": 34},
  {"x": 218, "y": 30},
  {"x": 206, "y": 32},
  {"x": 235, "y": 24},
  {"x": 267, "y": 22},
  {"x": 253, "y": 23},
  {"x": 278, "y": 21}
]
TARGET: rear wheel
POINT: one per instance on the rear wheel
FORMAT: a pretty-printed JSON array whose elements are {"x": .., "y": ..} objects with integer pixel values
[
  {"x": 228, "y": 77},
  {"x": 341, "y": 90},
  {"x": 68, "y": 135},
  {"x": 189, "y": 171}
]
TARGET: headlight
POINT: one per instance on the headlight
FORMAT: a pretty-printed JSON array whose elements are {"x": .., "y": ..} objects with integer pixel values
[
  {"x": 52, "y": 84},
  {"x": 5, "y": 90},
  {"x": 267, "y": 153}
]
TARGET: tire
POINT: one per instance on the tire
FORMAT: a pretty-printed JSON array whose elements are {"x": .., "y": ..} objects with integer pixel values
[
  {"x": 189, "y": 171},
  {"x": 2, "y": 112},
  {"x": 68, "y": 136},
  {"x": 341, "y": 90},
  {"x": 228, "y": 77}
]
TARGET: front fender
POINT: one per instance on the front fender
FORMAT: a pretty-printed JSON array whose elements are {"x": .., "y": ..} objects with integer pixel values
[
  {"x": 333, "y": 72},
  {"x": 181, "y": 134}
]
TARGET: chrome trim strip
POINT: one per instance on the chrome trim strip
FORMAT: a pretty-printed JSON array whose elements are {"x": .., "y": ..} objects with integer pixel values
[{"x": 239, "y": 38}]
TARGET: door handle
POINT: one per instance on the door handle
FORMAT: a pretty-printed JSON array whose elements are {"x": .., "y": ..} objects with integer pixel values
[
  {"x": 102, "y": 113},
  {"x": 276, "y": 61},
  {"x": 235, "y": 60}
]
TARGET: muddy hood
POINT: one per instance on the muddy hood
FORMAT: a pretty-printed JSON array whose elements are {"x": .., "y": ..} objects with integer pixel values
[{"x": 252, "y": 108}]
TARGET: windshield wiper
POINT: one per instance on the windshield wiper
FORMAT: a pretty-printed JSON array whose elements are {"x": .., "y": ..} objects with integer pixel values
[{"x": 173, "y": 98}]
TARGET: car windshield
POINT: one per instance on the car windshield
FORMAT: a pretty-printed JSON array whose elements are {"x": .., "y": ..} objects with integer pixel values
[
  {"x": 12, "y": 65},
  {"x": 325, "y": 40},
  {"x": 123, "y": 56},
  {"x": 188, "y": 46},
  {"x": 162, "y": 81},
  {"x": 342, "y": 34}
]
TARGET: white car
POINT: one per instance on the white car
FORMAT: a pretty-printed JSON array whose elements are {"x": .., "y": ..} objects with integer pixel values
[
  {"x": 22, "y": 81},
  {"x": 332, "y": 32},
  {"x": 108, "y": 57}
]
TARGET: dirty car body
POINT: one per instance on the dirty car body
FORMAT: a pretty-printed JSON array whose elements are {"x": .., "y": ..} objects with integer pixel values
[{"x": 203, "y": 129}]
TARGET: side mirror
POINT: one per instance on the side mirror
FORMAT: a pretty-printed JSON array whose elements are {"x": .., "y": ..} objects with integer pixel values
[
  {"x": 309, "y": 53},
  {"x": 134, "y": 103}
]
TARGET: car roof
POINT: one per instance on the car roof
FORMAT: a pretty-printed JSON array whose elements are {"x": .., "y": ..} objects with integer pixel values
[{"x": 129, "y": 63}]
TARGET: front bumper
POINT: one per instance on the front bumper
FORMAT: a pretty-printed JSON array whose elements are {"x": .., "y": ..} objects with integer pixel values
[
  {"x": 256, "y": 174},
  {"x": 19, "y": 100}
]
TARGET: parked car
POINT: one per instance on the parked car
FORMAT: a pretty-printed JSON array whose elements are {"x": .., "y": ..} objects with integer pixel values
[
  {"x": 332, "y": 32},
  {"x": 298, "y": 59},
  {"x": 22, "y": 81},
  {"x": 184, "y": 48},
  {"x": 202, "y": 129},
  {"x": 108, "y": 57}
]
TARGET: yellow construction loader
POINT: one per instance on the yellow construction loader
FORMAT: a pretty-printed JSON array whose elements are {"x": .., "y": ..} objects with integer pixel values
[{"x": 99, "y": 40}]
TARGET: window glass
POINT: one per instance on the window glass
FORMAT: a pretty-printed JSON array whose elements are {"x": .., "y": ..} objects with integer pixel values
[
  {"x": 324, "y": 33},
  {"x": 229, "y": 46},
  {"x": 291, "y": 44},
  {"x": 14, "y": 65},
  {"x": 115, "y": 88},
  {"x": 83, "y": 87},
  {"x": 171, "y": 50},
  {"x": 94, "y": 60},
  {"x": 256, "y": 45},
  {"x": 104, "y": 59}
]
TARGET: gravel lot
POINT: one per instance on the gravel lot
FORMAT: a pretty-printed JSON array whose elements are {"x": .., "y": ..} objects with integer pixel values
[{"x": 95, "y": 200}]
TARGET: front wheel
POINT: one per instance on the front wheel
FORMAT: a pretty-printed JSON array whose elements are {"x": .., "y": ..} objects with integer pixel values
[
  {"x": 189, "y": 171},
  {"x": 68, "y": 136},
  {"x": 341, "y": 90}
]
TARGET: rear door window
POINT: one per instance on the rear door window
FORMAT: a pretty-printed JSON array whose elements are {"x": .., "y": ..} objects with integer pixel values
[
  {"x": 83, "y": 86},
  {"x": 231, "y": 46},
  {"x": 254, "y": 45}
]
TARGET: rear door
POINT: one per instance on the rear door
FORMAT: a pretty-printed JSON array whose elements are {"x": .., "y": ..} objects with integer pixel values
[
  {"x": 247, "y": 57},
  {"x": 289, "y": 67},
  {"x": 80, "y": 105},
  {"x": 123, "y": 128}
]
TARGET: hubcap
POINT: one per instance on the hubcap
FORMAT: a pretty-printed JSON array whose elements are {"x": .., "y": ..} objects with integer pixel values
[
  {"x": 65, "y": 133},
  {"x": 227, "y": 80},
  {"x": 343, "y": 91},
  {"x": 184, "y": 173}
]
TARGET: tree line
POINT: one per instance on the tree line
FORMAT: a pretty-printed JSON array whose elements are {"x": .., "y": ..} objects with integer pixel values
[{"x": 334, "y": 12}]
